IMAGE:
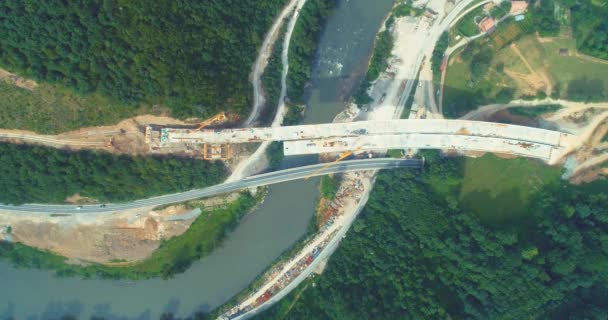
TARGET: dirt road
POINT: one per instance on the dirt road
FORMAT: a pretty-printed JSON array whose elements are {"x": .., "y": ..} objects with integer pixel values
[
  {"x": 126, "y": 137},
  {"x": 256, "y": 161},
  {"x": 262, "y": 61}
]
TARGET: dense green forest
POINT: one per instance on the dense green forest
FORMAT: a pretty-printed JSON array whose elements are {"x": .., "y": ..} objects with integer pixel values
[
  {"x": 33, "y": 174},
  {"x": 193, "y": 56},
  {"x": 175, "y": 255},
  {"x": 591, "y": 27},
  {"x": 417, "y": 253},
  {"x": 544, "y": 19}
]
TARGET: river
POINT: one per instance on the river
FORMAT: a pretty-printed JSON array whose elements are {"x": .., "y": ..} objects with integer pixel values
[{"x": 261, "y": 237}]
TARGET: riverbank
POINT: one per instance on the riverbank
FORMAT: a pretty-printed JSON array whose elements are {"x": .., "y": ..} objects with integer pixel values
[
  {"x": 206, "y": 230},
  {"x": 261, "y": 237},
  {"x": 298, "y": 268}
]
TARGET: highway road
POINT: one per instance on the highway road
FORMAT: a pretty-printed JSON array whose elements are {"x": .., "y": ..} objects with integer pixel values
[{"x": 253, "y": 181}]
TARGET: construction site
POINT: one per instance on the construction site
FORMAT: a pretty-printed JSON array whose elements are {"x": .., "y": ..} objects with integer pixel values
[
  {"x": 461, "y": 135},
  {"x": 339, "y": 213}
]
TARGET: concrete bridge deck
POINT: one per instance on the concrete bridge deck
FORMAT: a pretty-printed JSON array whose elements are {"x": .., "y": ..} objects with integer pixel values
[
  {"x": 464, "y": 135},
  {"x": 365, "y": 128}
]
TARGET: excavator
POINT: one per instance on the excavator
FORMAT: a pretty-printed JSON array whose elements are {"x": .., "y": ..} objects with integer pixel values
[
  {"x": 218, "y": 117},
  {"x": 342, "y": 156}
]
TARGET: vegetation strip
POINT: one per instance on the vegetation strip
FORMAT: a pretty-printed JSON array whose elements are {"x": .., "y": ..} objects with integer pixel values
[
  {"x": 378, "y": 63},
  {"x": 33, "y": 174}
]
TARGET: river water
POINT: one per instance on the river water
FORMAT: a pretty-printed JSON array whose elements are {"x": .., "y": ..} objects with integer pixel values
[{"x": 260, "y": 238}]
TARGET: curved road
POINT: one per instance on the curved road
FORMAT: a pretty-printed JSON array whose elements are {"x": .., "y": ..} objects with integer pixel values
[{"x": 253, "y": 181}]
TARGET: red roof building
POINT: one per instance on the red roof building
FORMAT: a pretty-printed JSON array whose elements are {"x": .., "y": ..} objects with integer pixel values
[
  {"x": 518, "y": 7},
  {"x": 487, "y": 24}
]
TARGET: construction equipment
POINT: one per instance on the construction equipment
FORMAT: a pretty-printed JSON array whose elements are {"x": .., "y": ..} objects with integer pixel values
[
  {"x": 342, "y": 156},
  {"x": 218, "y": 117},
  {"x": 215, "y": 151},
  {"x": 110, "y": 142}
]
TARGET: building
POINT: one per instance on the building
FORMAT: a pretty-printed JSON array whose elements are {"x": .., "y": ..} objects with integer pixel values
[
  {"x": 487, "y": 24},
  {"x": 518, "y": 7}
]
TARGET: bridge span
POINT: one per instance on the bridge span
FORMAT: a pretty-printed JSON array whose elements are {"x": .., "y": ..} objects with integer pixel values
[
  {"x": 460, "y": 135},
  {"x": 48, "y": 210}
]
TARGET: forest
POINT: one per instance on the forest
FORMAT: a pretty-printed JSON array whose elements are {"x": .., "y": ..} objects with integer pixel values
[
  {"x": 193, "y": 56},
  {"x": 415, "y": 253},
  {"x": 591, "y": 27},
  {"x": 544, "y": 18},
  {"x": 33, "y": 174}
]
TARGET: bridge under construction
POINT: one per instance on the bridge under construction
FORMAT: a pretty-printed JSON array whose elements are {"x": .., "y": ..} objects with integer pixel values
[{"x": 459, "y": 135}]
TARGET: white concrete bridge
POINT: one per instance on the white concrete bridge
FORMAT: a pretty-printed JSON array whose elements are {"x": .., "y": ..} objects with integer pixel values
[{"x": 462, "y": 135}]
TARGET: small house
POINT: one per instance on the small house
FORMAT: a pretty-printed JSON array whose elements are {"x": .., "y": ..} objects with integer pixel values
[
  {"x": 487, "y": 24},
  {"x": 518, "y": 7}
]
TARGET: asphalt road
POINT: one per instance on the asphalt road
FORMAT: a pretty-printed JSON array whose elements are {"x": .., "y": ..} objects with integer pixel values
[{"x": 253, "y": 181}]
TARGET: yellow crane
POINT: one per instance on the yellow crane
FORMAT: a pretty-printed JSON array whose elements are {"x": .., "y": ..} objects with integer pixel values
[
  {"x": 214, "y": 151},
  {"x": 218, "y": 117},
  {"x": 342, "y": 156}
]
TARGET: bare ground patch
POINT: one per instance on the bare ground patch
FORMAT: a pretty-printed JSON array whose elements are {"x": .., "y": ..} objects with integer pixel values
[
  {"x": 17, "y": 80},
  {"x": 126, "y": 237}
]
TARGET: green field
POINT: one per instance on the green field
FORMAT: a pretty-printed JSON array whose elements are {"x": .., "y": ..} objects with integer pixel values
[
  {"x": 54, "y": 109},
  {"x": 573, "y": 76},
  {"x": 467, "y": 26},
  {"x": 578, "y": 77},
  {"x": 498, "y": 190},
  {"x": 462, "y": 95}
]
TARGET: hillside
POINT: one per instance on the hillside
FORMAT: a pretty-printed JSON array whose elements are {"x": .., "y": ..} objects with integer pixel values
[
  {"x": 192, "y": 56},
  {"x": 422, "y": 250}
]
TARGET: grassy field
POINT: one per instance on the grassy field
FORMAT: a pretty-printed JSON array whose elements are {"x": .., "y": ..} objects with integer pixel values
[
  {"x": 462, "y": 95},
  {"x": 572, "y": 76},
  {"x": 499, "y": 190},
  {"x": 53, "y": 109},
  {"x": 467, "y": 26},
  {"x": 575, "y": 74},
  {"x": 173, "y": 256},
  {"x": 540, "y": 68}
]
